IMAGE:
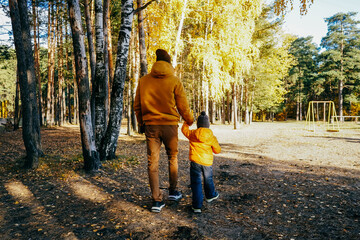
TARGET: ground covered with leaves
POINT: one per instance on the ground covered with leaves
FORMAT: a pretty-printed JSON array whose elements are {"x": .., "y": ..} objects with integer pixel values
[{"x": 275, "y": 180}]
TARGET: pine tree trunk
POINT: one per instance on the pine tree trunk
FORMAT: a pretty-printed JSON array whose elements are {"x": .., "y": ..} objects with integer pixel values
[
  {"x": 76, "y": 92},
  {"x": 128, "y": 112},
  {"x": 68, "y": 84},
  {"x": 341, "y": 80},
  {"x": 37, "y": 60},
  {"x": 17, "y": 108},
  {"x": 135, "y": 78},
  {"x": 116, "y": 107},
  {"x": 50, "y": 85},
  {"x": 90, "y": 154},
  {"x": 27, "y": 79},
  {"x": 60, "y": 70}
]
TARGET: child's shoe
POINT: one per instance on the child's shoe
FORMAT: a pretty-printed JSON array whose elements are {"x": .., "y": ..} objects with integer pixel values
[
  {"x": 196, "y": 210},
  {"x": 212, "y": 199},
  {"x": 174, "y": 195},
  {"x": 157, "y": 206}
]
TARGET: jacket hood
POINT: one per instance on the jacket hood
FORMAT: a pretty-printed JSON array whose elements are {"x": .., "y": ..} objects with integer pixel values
[
  {"x": 162, "y": 69},
  {"x": 203, "y": 134}
]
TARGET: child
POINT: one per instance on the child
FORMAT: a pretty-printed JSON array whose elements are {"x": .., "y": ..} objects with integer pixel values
[{"x": 202, "y": 146}]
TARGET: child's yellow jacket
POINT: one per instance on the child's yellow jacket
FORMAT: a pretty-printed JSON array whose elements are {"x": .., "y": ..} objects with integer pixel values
[{"x": 203, "y": 144}]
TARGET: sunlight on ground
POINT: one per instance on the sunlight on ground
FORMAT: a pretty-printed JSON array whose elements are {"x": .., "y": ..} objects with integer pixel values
[
  {"x": 42, "y": 221},
  {"x": 20, "y": 192},
  {"x": 85, "y": 190}
]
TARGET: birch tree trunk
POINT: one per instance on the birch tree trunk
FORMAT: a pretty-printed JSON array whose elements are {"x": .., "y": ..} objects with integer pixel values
[
  {"x": 100, "y": 87},
  {"x": 27, "y": 79},
  {"x": 92, "y": 57},
  {"x": 90, "y": 154},
  {"x": 109, "y": 145},
  {"x": 142, "y": 46},
  {"x": 234, "y": 106},
  {"x": 177, "y": 41}
]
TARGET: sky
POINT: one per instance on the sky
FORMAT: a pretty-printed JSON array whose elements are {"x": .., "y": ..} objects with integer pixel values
[{"x": 313, "y": 23}]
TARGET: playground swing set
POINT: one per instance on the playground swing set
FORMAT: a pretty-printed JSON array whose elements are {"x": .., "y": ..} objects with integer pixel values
[{"x": 327, "y": 112}]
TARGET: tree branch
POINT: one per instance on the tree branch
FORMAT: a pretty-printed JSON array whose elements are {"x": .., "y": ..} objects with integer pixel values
[{"x": 143, "y": 7}]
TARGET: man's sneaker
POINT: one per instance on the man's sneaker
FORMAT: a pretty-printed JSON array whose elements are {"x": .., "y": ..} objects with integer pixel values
[
  {"x": 157, "y": 206},
  {"x": 174, "y": 195},
  {"x": 196, "y": 210},
  {"x": 212, "y": 199}
]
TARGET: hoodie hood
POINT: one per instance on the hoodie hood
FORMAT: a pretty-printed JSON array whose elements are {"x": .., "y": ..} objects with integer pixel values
[{"x": 162, "y": 69}]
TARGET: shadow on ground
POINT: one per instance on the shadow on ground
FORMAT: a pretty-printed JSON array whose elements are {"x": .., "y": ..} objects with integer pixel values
[{"x": 260, "y": 198}]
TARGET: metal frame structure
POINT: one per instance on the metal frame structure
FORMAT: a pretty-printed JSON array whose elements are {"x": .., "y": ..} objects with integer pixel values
[{"x": 330, "y": 119}]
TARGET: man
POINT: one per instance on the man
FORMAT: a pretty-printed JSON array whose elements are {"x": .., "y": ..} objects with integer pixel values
[{"x": 160, "y": 98}]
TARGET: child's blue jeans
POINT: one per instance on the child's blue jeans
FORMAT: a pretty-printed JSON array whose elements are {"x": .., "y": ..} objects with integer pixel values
[{"x": 196, "y": 172}]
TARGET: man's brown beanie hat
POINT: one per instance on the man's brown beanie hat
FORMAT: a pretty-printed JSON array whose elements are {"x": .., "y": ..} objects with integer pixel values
[{"x": 162, "y": 55}]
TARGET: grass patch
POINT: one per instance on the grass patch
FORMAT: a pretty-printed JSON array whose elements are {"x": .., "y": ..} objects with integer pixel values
[{"x": 120, "y": 162}]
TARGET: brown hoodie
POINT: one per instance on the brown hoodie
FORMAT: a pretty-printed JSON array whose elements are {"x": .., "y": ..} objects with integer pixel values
[{"x": 160, "y": 97}]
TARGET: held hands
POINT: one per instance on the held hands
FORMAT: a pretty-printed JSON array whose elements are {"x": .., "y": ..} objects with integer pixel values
[{"x": 192, "y": 118}]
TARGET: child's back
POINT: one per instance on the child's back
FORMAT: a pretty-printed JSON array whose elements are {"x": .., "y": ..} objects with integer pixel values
[{"x": 203, "y": 144}]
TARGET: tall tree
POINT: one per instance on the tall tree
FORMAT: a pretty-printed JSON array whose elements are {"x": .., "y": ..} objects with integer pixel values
[
  {"x": 49, "y": 115},
  {"x": 101, "y": 75},
  {"x": 90, "y": 154},
  {"x": 142, "y": 42},
  {"x": 340, "y": 62},
  {"x": 109, "y": 145},
  {"x": 303, "y": 79},
  {"x": 92, "y": 56},
  {"x": 26, "y": 70},
  {"x": 35, "y": 23}
]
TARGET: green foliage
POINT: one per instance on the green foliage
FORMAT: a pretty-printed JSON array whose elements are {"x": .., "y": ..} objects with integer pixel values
[
  {"x": 340, "y": 61},
  {"x": 303, "y": 74},
  {"x": 270, "y": 64},
  {"x": 7, "y": 76}
]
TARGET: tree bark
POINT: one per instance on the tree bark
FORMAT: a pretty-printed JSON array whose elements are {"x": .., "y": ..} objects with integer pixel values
[
  {"x": 50, "y": 85},
  {"x": 68, "y": 85},
  {"x": 90, "y": 154},
  {"x": 100, "y": 87},
  {"x": 92, "y": 57},
  {"x": 234, "y": 106},
  {"x": 76, "y": 92},
  {"x": 60, "y": 70},
  {"x": 109, "y": 145},
  {"x": 27, "y": 79},
  {"x": 37, "y": 60},
  {"x": 142, "y": 43},
  {"x": 179, "y": 34},
  {"x": 17, "y": 108}
]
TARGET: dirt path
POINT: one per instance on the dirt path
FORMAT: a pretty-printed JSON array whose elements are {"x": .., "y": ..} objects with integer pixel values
[{"x": 276, "y": 181}]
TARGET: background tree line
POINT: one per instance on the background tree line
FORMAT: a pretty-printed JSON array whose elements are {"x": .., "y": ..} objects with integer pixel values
[{"x": 232, "y": 56}]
